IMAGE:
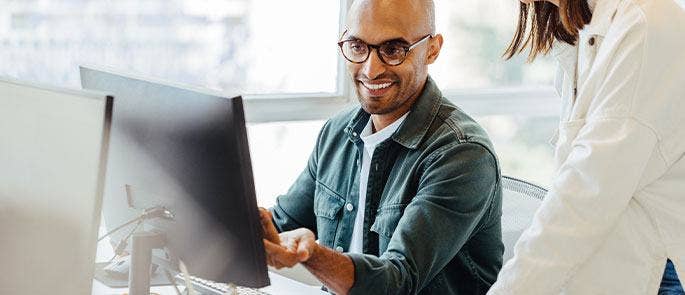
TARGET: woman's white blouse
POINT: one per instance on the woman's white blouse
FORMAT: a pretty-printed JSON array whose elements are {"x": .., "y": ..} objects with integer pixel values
[{"x": 616, "y": 209}]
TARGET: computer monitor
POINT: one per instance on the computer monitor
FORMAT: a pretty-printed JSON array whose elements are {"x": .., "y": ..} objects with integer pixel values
[
  {"x": 53, "y": 146},
  {"x": 184, "y": 149}
]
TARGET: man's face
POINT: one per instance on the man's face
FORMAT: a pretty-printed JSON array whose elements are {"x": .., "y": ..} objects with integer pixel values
[{"x": 382, "y": 88}]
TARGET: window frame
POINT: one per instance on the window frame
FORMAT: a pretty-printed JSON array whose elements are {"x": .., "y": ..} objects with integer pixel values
[
  {"x": 260, "y": 108},
  {"x": 282, "y": 107}
]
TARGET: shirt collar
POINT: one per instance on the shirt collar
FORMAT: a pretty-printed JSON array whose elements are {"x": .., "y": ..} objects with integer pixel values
[
  {"x": 372, "y": 139},
  {"x": 567, "y": 56},
  {"x": 592, "y": 4},
  {"x": 412, "y": 130},
  {"x": 602, "y": 15},
  {"x": 603, "y": 12}
]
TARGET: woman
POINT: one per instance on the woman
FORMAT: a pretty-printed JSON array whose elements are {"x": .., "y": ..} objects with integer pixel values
[{"x": 616, "y": 209}]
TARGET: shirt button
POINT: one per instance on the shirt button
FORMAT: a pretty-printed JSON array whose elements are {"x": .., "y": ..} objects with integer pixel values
[
  {"x": 349, "y": 207},
  {"x": 354, "y": 134},
  {"x": 591, "y": 41},
  {"x": 339, "y": 249}
]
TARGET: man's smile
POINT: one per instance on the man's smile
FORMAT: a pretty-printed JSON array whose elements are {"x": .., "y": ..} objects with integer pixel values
[{"x": 377, "y": 88}]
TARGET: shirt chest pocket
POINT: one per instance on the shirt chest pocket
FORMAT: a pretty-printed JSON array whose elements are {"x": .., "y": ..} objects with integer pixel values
[
  {"x": 327, "y": 207},
  {"x": 387, "y": 218}
]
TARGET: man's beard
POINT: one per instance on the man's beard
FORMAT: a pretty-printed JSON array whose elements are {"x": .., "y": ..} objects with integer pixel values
[{"x": 393, "y": 103}]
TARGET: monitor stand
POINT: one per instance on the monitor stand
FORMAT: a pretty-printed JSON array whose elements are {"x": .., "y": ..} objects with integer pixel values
[
  {"x": 140, "y": 258},
  {"x": 139, "y": 275},
  {"x": 157, "y": 277},
  {"x": 142, "y": 244}
]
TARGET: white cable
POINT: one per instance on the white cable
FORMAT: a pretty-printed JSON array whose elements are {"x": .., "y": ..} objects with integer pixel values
[
  {"x": 172, "y": 281},
  {"x": 186, "y": 278}
]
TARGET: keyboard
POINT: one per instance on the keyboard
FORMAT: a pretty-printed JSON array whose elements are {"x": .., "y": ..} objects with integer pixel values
[{"x": 207, "y": 287}]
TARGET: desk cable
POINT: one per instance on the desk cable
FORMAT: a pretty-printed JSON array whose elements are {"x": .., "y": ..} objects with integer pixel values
[{"x": 150, "y": 213}]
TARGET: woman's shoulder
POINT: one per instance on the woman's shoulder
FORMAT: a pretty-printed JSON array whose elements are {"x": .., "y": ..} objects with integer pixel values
[
  {"x": 666, "y": 16},
  {"x": 654, "y": 28}
]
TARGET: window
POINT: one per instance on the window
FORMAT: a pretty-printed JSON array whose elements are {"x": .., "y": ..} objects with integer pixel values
[
  {"x": 476, "y": 34},
  {"x": 240, "y": 46},
  {"x": 283, "y": 56},
  {"x": 280, "y": 151}
]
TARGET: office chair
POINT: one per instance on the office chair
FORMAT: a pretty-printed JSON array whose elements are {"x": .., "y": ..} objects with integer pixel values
[{"x": 520, "y": 200}]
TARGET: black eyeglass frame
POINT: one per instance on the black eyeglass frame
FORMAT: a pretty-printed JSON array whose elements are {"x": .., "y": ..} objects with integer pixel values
[{"x": 406, "y": 48}]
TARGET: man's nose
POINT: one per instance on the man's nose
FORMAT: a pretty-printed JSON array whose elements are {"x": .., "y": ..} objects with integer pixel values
[{"x": 373, "y": 66}]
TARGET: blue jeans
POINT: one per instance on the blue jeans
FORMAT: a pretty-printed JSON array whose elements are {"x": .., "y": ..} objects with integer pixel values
[{"x": 670, "y": 285}]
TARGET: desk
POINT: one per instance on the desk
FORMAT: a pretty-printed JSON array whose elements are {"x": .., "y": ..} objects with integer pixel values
[{"x": 280, "y": 285}]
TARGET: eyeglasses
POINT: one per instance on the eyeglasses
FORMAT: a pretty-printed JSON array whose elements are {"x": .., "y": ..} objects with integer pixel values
[{"x": 391, "y": 52}]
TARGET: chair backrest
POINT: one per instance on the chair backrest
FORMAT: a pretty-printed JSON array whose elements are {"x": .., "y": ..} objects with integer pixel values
[{"x": 520, "y": 200}]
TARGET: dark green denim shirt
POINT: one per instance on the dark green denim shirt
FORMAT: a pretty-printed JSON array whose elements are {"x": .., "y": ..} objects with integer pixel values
[{"x": 433, "y": 204}]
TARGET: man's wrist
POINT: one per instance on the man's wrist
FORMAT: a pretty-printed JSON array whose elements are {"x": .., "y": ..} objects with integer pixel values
[
  {"x": 314, "y": 253},
  {"x": 335, "y": 270}
]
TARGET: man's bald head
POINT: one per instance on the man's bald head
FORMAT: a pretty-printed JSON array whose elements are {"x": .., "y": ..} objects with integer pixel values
[
  {"x": 389, "y": 90},
  {"x": 417, "y": 14}
]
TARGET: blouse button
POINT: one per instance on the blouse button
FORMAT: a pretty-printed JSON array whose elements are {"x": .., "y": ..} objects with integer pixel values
[{"x": 591, "y": 41}]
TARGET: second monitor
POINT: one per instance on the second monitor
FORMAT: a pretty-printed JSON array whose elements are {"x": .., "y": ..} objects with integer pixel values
[{"x": 184, "y": 150}]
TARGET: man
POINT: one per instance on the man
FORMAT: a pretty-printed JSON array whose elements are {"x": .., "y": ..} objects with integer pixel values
[{"x": 403, "y": 194}]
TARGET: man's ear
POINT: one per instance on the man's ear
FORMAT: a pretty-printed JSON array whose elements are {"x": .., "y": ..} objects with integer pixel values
[{"x": 434, "y": 46}]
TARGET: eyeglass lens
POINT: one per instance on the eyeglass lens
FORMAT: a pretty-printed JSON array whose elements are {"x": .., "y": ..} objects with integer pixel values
[{"x": 357, "y": 51}]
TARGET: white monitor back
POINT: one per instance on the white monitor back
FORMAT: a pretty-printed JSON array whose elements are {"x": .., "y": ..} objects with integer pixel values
[{"x": 53, "y": 147}]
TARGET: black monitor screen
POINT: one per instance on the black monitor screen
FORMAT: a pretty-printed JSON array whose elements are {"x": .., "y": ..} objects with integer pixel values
[{"x": 184, "y": 150}]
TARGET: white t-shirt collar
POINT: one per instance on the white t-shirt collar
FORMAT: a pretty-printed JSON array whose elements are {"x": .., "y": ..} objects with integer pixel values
[{"x": 371, "y": 139}]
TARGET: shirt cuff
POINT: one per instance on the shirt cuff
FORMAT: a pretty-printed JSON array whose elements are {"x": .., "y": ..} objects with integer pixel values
[{"x": 362, "y": 271}]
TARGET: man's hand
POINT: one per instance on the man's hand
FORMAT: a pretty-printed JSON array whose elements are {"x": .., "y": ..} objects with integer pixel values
[
  {"x": 288, "y": 248},
  {"x": 270, "y": 232},
  {"x": 334, "y": 269}
]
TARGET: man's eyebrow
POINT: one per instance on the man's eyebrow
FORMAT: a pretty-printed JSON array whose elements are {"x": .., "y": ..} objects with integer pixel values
[{"x": 399, "y": 39}]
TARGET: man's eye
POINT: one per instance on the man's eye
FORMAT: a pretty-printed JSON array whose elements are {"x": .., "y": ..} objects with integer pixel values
[
  {"x": 358, "y": 47},
  {"x": 392, "y": 50}
]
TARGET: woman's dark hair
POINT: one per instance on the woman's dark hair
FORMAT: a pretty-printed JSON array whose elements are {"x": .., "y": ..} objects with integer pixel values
[{"x": 548, "y": 23}]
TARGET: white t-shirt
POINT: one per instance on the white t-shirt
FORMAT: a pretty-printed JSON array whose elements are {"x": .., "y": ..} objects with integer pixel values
[{"x": 371, "y": 140}]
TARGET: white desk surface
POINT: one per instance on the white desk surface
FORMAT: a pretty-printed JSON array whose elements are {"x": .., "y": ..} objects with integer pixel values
[{"x": 279, "y": 285}]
